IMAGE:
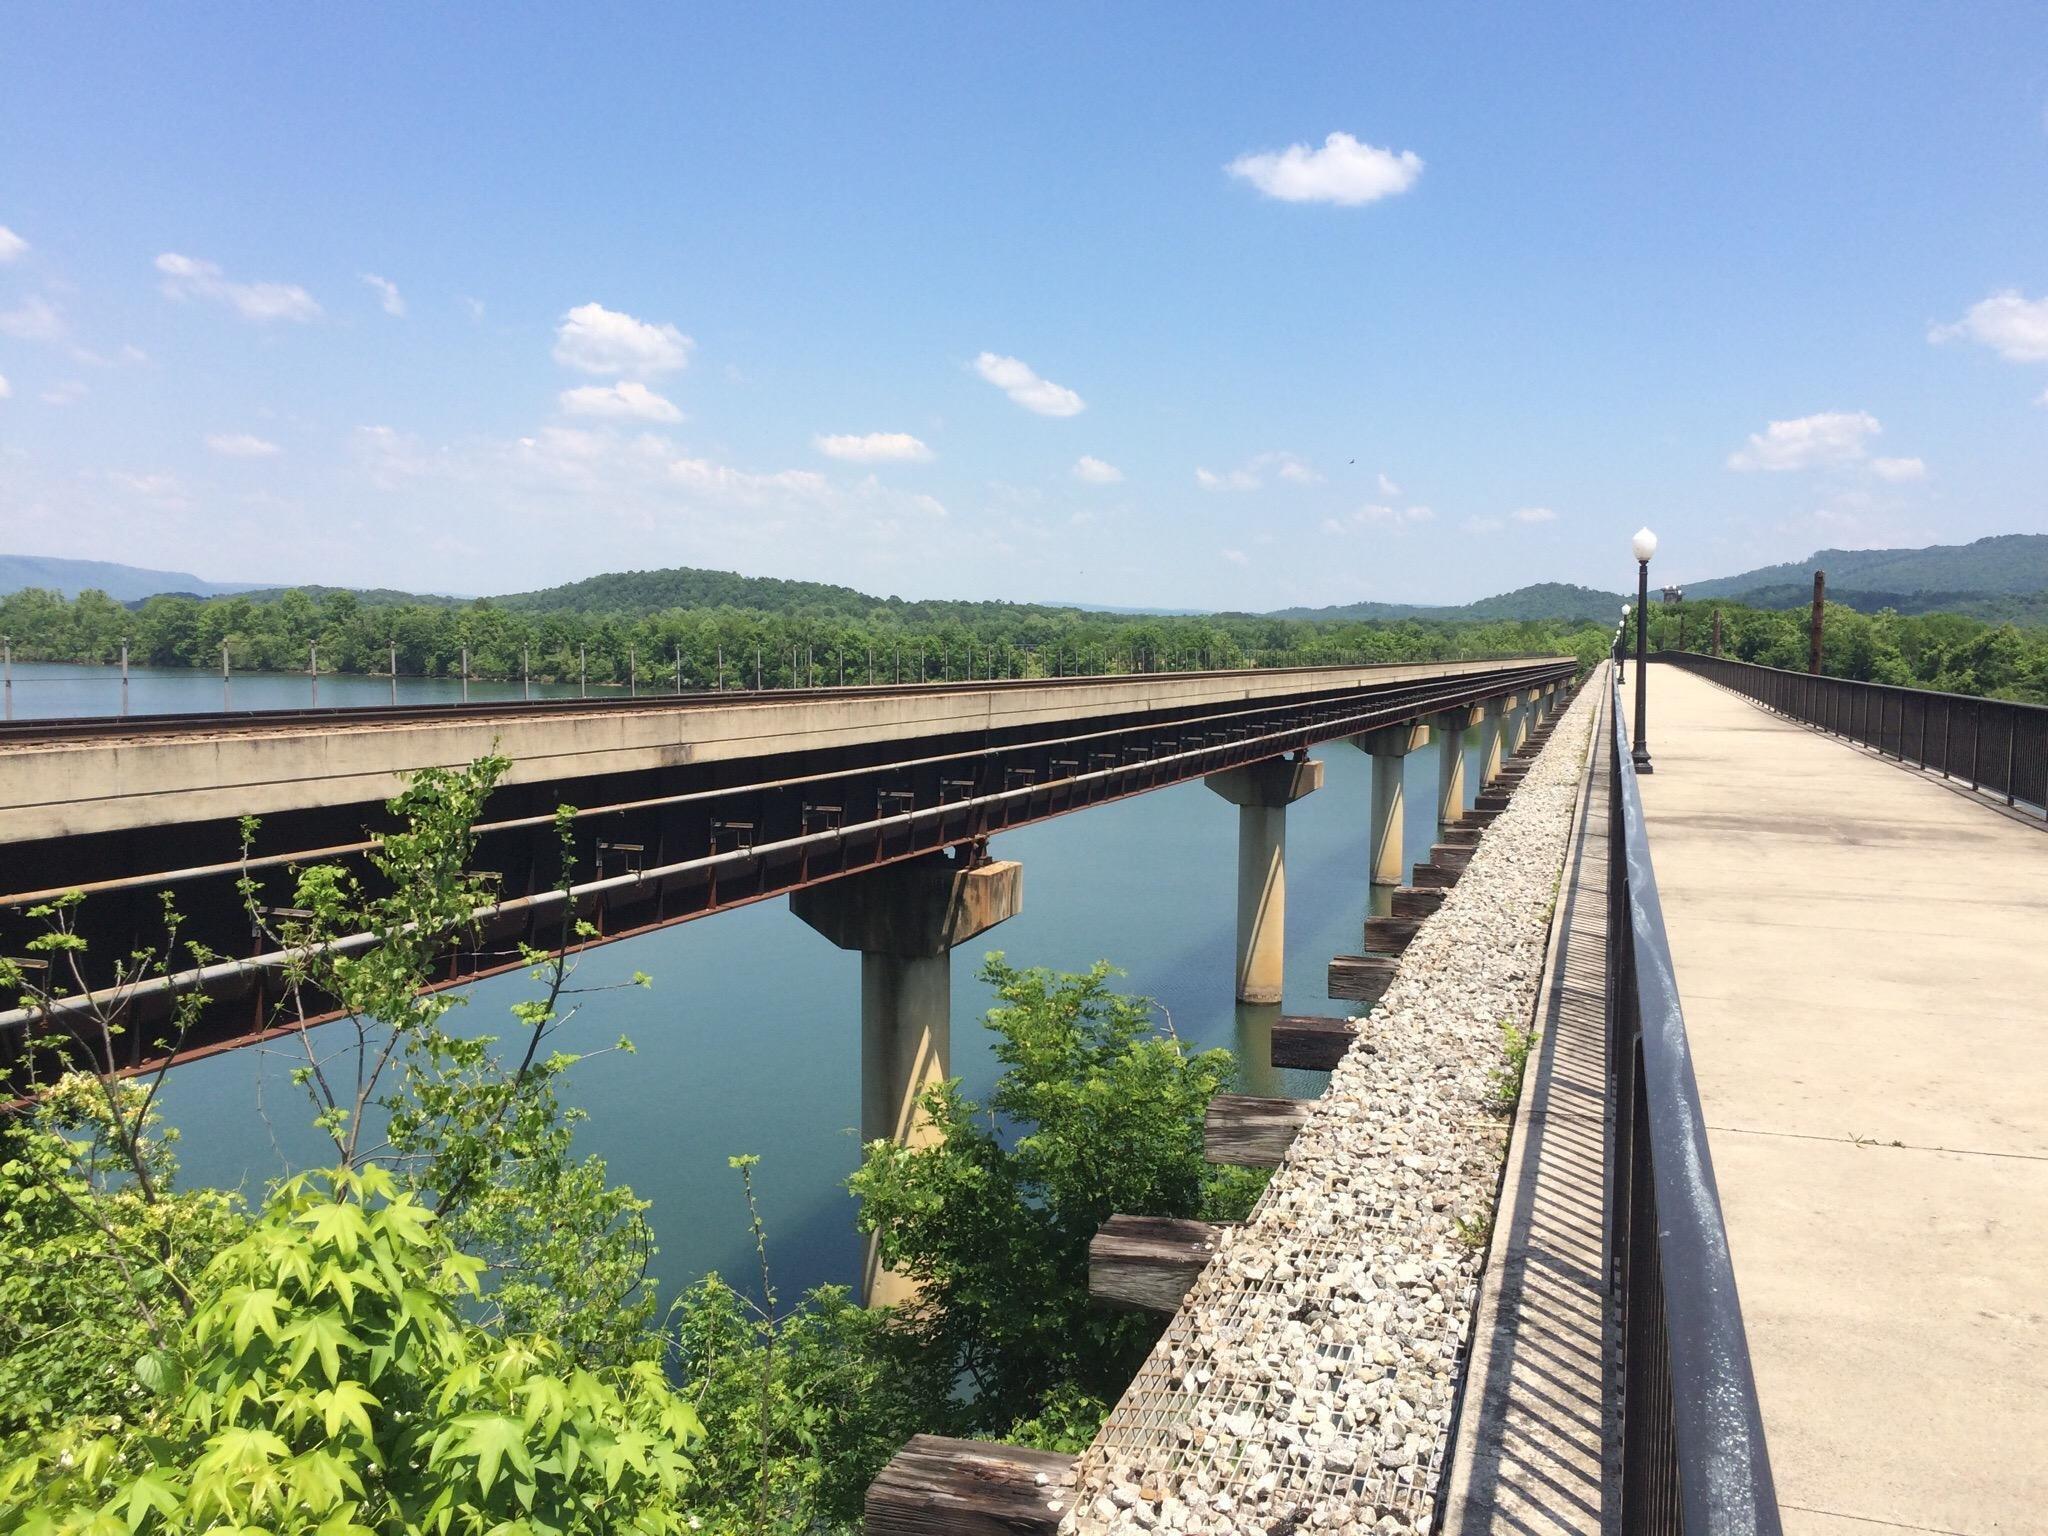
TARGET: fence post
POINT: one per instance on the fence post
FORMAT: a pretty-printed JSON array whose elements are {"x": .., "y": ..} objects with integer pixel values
[
  {"x": 2012, "y": 746},
  {"x": 124, "y": 679}
]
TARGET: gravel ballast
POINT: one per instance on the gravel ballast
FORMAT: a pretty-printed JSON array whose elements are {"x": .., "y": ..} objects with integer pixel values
[{"x": 1307, "y": 1383}]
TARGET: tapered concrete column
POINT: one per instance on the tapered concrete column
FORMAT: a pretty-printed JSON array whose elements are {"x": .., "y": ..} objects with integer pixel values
[
  {"x": 1389, "y": 748},
  {"x": 1449, "y": 731},
  {"x": 1262, "y": 792},
  {"x": 1492, "y": 726},
  {"x": 905, "y": 920}
]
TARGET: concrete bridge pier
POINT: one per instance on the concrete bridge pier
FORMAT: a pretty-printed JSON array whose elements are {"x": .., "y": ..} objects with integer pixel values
[
  {"x": 1449, "y": 729},
  {"x": 1388, "y": 748},
  {"x": 1262, "y": 792},
  {"x": 905, "y": 920},
  {"x": 1492, "y": 729}
]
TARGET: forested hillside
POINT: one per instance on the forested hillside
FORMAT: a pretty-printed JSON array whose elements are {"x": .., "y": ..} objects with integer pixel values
[
  {"x": 1545, "y": 600},
  {"x": 2011, "y": 563}
]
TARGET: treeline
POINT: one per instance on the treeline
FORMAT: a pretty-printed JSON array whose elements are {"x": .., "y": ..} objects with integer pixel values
[
  {"x": 1943, "y": 651},
  {"x": 702, "y": 646}
]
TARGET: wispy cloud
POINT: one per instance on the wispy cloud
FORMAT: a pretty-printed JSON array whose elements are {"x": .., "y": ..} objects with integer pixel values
[
  {"x": 34, "y": 319},
  {"x": 12, "y": 246},
  {"x": 594, "y": 339},
  {"x": 1379, "y": 515},
  {"x": 627, "y": 400},
  {"x": 1235, "y": 556},
  {"x": 187, "y": 277},
  {"x": 242, "y": 445},
  {"x": 6, "y": 388},
  {"x": 1900, "y": 469},
  {"x": 1804, "y": 442},
  {"x": 1096, "y": 471},
  {"x": 1343, "y": 171},
  {"x": 2012, "y": 325},
  {"x": 70, "y": 392},
  {"x": 1023, "y": 385},
  {"x": 1533, "y": 515},
  {"x": 387, "y": 294},
  {"x": 1387, "y": 487},
  {"x": 872, "y": 447},
  {"x": 1251, "y": 475}
]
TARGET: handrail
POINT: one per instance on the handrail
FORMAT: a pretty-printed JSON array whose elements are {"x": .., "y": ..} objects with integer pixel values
[
  {"x": 1692, "y": 1442},
  {"x": 1994, "y": 745}
]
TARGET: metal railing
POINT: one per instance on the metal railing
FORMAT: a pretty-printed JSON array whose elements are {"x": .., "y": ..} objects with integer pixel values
[
  {"x": 1993, "y": 745},
  {"x": 1693, "y": 1458}
]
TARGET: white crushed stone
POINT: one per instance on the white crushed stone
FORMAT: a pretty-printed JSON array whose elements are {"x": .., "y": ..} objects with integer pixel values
[{"x": 1307, "y": 1383}]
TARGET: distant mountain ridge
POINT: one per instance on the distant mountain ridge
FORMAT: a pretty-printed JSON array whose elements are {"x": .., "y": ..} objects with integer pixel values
[
  {"x": 1545, "y": 600},
  {"x": 2002, "y": 565},
  {"x": 123, "y": 583}
]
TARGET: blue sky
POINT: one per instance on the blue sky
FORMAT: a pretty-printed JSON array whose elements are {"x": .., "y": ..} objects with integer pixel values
[{"x": 1028, "y": 302}]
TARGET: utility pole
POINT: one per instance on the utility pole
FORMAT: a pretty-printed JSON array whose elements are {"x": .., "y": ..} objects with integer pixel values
[
  {"x": 525, "y": 674},
  {"x": 227, "y": 687},
  {"x": 1820, "y": 588},
  {"x": 312, "y": 671},
  {"x": 465, "y": 675},
  {"x": 582, "y": 670},
  {"x": 721, "y": 669},
  {"x": 391, "y": 649}
]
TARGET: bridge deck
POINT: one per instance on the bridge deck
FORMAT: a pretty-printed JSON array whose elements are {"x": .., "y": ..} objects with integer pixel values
[{"x": 1860, "y": 955}]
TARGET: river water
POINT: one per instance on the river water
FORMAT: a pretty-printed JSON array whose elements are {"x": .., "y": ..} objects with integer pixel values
[{"x": 748, "y": 1040}]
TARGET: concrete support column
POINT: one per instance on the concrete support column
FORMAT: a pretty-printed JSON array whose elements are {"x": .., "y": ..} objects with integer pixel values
[
  {"x": 1449, "y": 731},
  {"x": 1492, "y": 727},
  {"x": 1389, "y": 748},
  {"x": 905, "y": 920},
  {"x": 1262, "y": 792}
]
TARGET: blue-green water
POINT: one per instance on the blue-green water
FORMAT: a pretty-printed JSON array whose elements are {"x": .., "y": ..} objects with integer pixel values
[{"x": 749, "y": 1039}]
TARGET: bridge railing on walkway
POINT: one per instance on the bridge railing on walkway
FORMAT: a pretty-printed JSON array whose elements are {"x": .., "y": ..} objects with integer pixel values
[
  {"x": 1993, "y": 745},
  {"x": 1692, "y": 1441}
]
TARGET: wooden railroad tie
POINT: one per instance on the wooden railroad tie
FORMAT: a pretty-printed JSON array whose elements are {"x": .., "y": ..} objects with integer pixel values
[
  {"x": 1414, "y": 901},
  {"x": 1459, "y": 835},
  {"x": 1450, "y": 856},
  {"x": 1311, "y": 1042},
  {"x": 1437, "y": 877},
  {"x": 1493, "y": 800},
  {"x": 1148, "y": 1263},
  {"x": 1251, "y": 1132},
  {"x": 940, "y": 1487},
  {"x": 1390, "y": 935},
  {"x": 1362, "y": 978},
  {"x": 1480, "y": 819}
]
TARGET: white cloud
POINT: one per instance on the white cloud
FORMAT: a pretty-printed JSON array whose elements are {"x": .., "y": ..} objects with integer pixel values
[
  {"x": 1387, "y": 487},
  {"x": 12, "y": 246},
  {"x": 1900, "y": 469},
  {"x": 872, "y": 447},
  {"x": 599, "y": 340},
  {"x": 186, "y": 277},
  {"x": 387, "y": 294},
  {"x": 2042, "y": 398},
  {"x": 623, "y": 401},
  {"x": 2012, "y": 325},
  {"x": 1023, "y": 385},
  {"x": 67, "y": 393},
  {"x": 474, "y": 306},
  {"x": 1484, "y": 525},
  {"x": 34, "y": 320},
  {"x": 721, "y": 480},
  {"x": 6, "y": 388},
  {"x": 1235, "y": 556},
  {"x": 1379, "y": 514},
  {"x": 242, "y": 445},
  {"x": 157, "y": 486},
  {"x": 1533, "y": 515},
  {"x": 1343, "y": 171},
  {"x": 1096, "y": 471},
  {"x": 1251, "y": 475},
  {"x": 1831, "y": 437}
]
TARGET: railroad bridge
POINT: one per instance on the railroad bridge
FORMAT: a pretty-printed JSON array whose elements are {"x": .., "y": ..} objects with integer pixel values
[{"x": 1757, "y": 1248}]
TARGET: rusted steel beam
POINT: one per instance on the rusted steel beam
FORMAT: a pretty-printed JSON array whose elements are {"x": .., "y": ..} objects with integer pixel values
[
  {"x": 1250, "y": 1131},
  {"x": 1147, "y": 1263},
  {"x": 940, "y": 1487},
  {"x": 1311, "y": 1042}
]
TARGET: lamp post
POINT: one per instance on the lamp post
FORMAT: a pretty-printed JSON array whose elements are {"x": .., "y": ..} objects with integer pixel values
[
  {"x": 1621, "y": 646},
  {"x": 1645, "y": 545}
]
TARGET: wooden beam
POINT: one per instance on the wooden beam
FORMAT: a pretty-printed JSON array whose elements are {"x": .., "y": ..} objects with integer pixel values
[
  {"x": 1436, "y": 877},
  {"x": 1461, "y": 836},
  {"x": 1148, "y": 1262},
  {"x": 1311, "y": 1042},
  {"x": 1249, "y": 1131},
  {"x": 1450, "y": 856},
  {"x": 1414, "y": 901},
  {"x": 1493, "y": 800},
  {"x": 1362, "y": 978},
  {"x": 940, "y": 1487},
  {"x": 1390, "y": 935},
  {"x": 1480, "y": 819}
]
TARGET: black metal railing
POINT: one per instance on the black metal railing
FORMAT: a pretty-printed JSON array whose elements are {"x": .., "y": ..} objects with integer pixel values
[
  {"x": 1993, "y": 745},
  {"x": 1693, "y": 1459}
]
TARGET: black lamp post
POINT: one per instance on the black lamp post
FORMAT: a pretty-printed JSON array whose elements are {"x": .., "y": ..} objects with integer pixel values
[
  {"x": 1644, "y": 545},
  {"x": 1621, "y": 646}
]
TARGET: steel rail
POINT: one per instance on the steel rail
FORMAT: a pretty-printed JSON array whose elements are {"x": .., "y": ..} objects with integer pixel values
[
  {"x": 152, "y": 879},
  {"x": 200, "y": 723},
  {"x": 1694, "y": 1458},
  {"x": 1251, "y": 749}
]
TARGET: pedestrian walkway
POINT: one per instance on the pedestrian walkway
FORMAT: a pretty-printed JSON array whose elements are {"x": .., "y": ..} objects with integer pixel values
[{"x": 1862, "y": 956}]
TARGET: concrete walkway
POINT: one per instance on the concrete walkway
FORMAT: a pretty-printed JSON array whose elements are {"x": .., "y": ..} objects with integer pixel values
[{"x": 1863, "y": 960}]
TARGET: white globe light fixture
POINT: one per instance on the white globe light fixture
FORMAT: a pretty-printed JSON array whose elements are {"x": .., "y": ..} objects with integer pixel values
[{"x": 1644, "y": 544}]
